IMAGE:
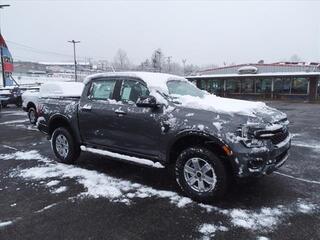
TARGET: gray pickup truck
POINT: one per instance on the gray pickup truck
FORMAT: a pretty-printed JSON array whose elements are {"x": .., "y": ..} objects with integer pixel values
[{"x": 163, "y": 120}]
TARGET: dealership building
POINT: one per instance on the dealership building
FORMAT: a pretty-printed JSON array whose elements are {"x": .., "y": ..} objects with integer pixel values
[{"x": 282, "y": 80}]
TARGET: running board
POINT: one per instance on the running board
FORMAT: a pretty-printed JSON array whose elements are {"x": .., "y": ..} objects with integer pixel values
[{"x": 140, "y": 161}]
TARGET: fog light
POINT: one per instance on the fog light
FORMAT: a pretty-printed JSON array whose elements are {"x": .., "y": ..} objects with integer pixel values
[{"x": 256, "y": 163}]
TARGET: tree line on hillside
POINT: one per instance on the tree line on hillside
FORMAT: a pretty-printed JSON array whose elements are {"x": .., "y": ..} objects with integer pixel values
[{"x": 158, "y": 62}]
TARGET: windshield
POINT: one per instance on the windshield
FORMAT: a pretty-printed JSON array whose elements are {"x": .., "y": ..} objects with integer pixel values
[{"x": 183, "y": 88}]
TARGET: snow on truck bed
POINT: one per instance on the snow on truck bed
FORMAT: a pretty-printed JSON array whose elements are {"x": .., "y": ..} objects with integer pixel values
[{"x": 61, "y": 89}]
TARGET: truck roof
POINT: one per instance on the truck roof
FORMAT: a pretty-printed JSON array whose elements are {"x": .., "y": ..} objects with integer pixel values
[{"x": 153, "y": 80}]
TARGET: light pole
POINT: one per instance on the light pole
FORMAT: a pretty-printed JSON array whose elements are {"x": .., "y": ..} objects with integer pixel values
[
  {"x": 2, "y": 63},
  {"x": 75, "y": 58}
]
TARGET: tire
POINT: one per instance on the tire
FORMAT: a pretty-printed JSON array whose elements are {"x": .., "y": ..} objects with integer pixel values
[
  {"x": 186, "y": 170},
  {"x": 64, "y": 146},
  {"x": 32, "y": 115}
]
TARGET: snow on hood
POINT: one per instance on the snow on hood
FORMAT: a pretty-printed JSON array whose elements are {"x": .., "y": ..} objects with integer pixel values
[{"x": 222, "y": 105}]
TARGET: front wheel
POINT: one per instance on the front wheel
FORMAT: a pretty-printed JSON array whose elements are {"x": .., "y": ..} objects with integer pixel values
[
  {"x": 200, "y": 174},
  {"x": 64, "y": 146}
]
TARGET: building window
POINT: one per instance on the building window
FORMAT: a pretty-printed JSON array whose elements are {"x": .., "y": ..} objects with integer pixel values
[
  {"x": 247, "y": 85},
  {"x": 282, "y": 85},
  {"x": 215, "y": 86},
  {"x": 203, "y": 84},
  {"x": 233, "y": 86},
  {"x": 263, "y": 85},
  {"x": 299, "y": 85}
]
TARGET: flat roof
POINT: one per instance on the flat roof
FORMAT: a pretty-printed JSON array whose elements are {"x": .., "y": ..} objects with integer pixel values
[{"x": 271, "y": 74}]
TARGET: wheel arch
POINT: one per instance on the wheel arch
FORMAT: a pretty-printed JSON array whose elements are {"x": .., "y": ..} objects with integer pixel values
[
  {"x": 193, "y": 138},
  {"x": 59, "y": 120},
  {"x": 30, "y": 105}
]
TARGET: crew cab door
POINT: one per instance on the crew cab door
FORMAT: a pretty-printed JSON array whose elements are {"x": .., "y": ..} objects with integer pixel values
[
  {"x": 97, "y": 120},
  {"x": 139, "y": 128}
]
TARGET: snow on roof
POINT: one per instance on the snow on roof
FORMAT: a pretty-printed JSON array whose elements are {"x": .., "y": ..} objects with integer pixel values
[
  {"x": 153, "y": 80},
  {"x": 256, "y": 74},
  {"x": 61, "y": 89}
]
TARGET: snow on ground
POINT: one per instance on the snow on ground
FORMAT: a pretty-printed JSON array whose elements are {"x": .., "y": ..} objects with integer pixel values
[
  {"x": 14, "y": 121},
  {"x": 4, "y": 224},
  {"x": 100, "y": 185},
  {"x": 314, "y": 145},
  {"x": 47, "y": 207},
  {"x": 209, "y": 230},
  {"x": 59, "y": 190},
  {"x": 267, "y": 218}
]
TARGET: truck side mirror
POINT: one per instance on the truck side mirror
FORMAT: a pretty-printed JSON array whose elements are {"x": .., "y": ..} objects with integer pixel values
[{"x": 147, "y": 101}]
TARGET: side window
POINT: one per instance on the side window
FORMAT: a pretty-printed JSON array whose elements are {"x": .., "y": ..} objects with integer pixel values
[
  {"x": 131, "y": 90},
  {"x": 102, "y": 89}
]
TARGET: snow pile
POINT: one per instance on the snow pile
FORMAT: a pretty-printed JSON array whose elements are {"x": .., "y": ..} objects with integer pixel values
[
  {"x": 265, "y": 219},
  {"x": 61, "y": 89},
  {"x": 216, "y": 104},
  {"x": 306, "y": 207},
  {"x": 27, "y": 155},
  {"x": 59, "y": 190},
  {"x": 98, "y": 185},
  {"x": 4, "y": 224},
  {"x": 209, "y": 230}
]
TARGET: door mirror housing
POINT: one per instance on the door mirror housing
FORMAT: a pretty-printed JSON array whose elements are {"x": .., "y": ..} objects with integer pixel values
[{"x": 147, "y": 101}]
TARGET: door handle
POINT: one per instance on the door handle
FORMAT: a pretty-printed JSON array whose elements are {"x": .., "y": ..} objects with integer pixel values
[
  {"x": 86, "y": 108},
  {"x": 120, "y": 112}
]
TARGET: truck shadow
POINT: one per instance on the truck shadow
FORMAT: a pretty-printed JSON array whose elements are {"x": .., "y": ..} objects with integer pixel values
[{"x": 251, "y": 193}]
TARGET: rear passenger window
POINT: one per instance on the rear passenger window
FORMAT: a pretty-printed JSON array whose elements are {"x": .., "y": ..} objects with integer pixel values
[{"x": 102, "y": 89}]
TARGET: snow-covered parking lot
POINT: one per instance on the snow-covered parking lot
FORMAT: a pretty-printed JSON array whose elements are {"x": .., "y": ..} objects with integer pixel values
[{"x": 99, "y": 198}]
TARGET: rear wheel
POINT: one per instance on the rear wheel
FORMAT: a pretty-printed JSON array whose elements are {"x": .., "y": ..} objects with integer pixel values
[
  {"x": 200, "y": 174},
  {"x": 32, "y": 114},
  {"x": 64, "y": 146}
]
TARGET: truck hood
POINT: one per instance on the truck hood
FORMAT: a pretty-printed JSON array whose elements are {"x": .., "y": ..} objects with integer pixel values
[{"x": 233, "y": 110}]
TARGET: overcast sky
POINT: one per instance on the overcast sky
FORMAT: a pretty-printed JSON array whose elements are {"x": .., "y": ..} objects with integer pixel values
[{"x": 203, "y": 32}]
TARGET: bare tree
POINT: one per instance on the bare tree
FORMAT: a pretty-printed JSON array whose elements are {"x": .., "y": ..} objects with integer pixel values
[
  {"x": 157, "y": 59},
  {"x": 295, "y": 58},
  {"x": 121, "y": 60}
]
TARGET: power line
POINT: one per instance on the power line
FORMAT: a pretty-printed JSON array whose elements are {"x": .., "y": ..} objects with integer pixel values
[
  {"x": 33, "y": 49},
  {"x": 41, "y": 51}
]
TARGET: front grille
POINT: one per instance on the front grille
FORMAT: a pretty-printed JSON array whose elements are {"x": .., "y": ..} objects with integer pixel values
[
  {"x": 276, "y": 136},
  {"x": 279, "y": 137}
]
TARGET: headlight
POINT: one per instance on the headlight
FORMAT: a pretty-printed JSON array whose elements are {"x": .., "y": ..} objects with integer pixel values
[{"x": 248, "y": 138}]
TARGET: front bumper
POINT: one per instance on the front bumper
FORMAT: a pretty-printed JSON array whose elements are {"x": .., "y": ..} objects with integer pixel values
[{"x": 264, "y": 161}]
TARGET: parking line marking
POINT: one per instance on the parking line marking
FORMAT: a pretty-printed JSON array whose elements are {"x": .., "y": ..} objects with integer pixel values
[{"x": 296, "y": 178}]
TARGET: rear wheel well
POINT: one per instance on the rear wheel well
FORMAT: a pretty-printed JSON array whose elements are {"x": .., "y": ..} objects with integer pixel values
[
  {"x": 31, "y": 105},
  {"x": 58, "y": 122},
  {"x": 195, "y": 140}
]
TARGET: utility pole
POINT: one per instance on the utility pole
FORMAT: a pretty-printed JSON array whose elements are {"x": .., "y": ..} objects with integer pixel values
[
  {"x": 184, "y": 66},
  {"x": 159, "y": 59},
  {"x": 169, "y": 61},
  {"x": 2, "y": 63},
  {"x": 75, "y": 58}
]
